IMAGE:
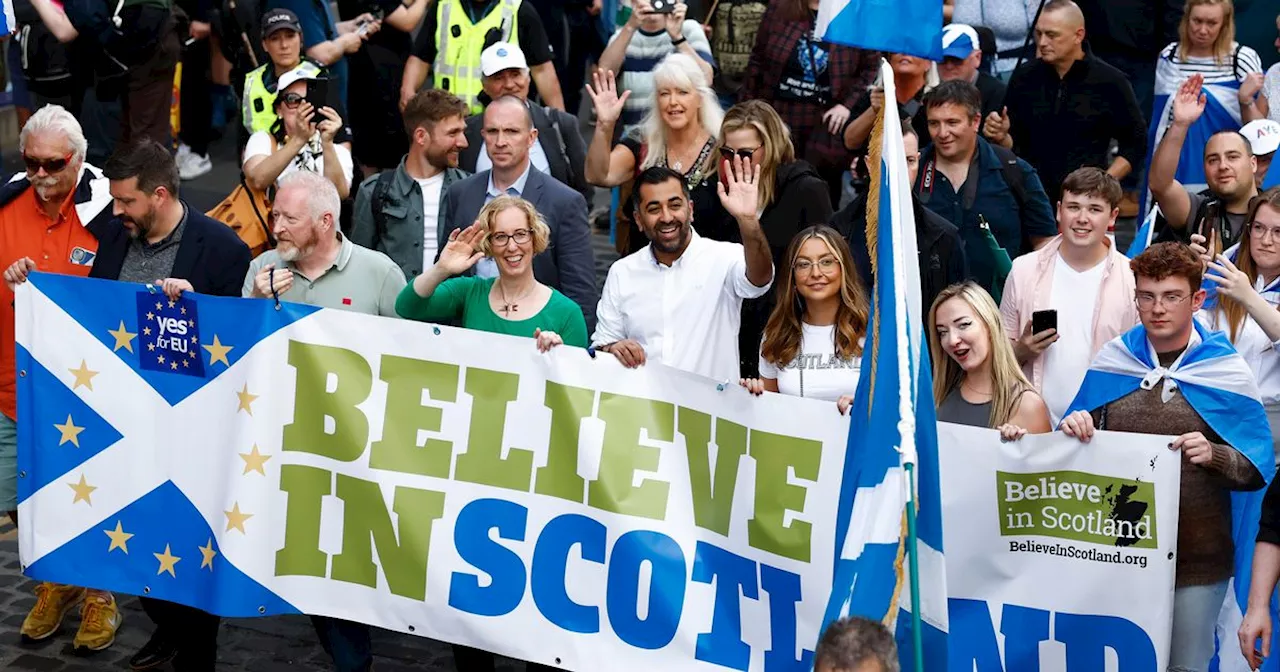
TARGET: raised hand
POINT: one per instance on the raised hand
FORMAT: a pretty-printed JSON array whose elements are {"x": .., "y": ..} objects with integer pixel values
[
  {"x": 1250, "y": 87},
  {"x": 460, "y": 254},
  {"x": 996, "y": 126},
  {"x": 604, "y": 97},
  {"x": 330, "y": 124},
  {"x": 675, "y": 21},
  {"x": 1230, "y": 280},
  {"x": 742, "y": 197},
  {"x": 1189, "y": 101}
]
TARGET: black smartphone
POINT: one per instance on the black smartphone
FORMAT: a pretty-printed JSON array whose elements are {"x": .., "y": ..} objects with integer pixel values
[
  {"x": 318, "y": 94},
  {"x": 664, "y": 6},
  {"x": 1042, "y": 320}
]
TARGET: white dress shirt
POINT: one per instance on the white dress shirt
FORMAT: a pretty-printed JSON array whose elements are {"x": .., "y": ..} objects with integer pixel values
[{"x": 685, "y": 315}]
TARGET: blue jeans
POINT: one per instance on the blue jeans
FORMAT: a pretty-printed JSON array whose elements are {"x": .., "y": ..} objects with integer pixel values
[
  {"x": 348, "y": 644},
  {"x": 1195, "y": 614}
]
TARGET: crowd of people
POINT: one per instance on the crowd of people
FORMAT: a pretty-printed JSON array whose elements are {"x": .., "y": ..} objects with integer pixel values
[{"x": 425, "y": 160}]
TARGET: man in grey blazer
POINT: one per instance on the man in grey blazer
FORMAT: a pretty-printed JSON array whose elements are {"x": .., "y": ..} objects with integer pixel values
[
  {"x": 568, "y": 264},
  {"x": 560, "y": 151}
]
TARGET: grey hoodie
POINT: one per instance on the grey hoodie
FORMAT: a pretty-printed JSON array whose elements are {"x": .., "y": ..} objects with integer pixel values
[{"x": 1010, "y": 20}]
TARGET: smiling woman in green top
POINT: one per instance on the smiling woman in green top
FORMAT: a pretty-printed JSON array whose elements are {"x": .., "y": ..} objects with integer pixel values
[{"x": 510, "y": 231}]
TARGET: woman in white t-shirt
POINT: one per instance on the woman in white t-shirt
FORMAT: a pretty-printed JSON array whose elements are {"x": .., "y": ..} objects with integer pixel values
[
  {"x": 302, "y": 140},
  {"x": 812, "y": 345}
]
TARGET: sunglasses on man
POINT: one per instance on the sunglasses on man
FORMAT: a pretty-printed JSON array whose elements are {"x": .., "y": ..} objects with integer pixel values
[{"x": 50, "y": 166}]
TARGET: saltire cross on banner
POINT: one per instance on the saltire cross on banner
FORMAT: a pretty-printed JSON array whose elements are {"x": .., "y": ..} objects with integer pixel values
[
  {"x": 893, "y": 429},
  {"x": 893, "y": 26}
]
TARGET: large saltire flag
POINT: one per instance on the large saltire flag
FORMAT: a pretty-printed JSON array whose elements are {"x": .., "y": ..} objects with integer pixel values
[
  {"x": 893, "y": 423},
  {"x": 86, "y": 424},
  {"x": 1220, "y": 386},
  {"x": 894, "y": 26},
  {"x": 1221, "y": 113}
]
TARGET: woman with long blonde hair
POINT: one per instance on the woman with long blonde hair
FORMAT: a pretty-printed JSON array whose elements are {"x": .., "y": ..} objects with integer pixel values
[
  {"x": 812, "y": 345},
  {"x": 678, "y": 133},
  {"x": 792, "y": 195},
  {"x": 976, "y": 377}
]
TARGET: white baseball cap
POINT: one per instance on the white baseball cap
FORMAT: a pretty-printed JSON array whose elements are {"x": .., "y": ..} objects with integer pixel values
[
  {"x": 296, "y": 75},
  {"x": 1263, "y": 135},
  {"x": 501, "y": 56}
]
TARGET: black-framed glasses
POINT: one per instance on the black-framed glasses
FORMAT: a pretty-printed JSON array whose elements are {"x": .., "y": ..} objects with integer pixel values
[
  {"x": 50, "y": 166},
  {"x": 521, "y": 236},
  {"x": 292, "y": 100},
  {"x": 745, "y": 154}
]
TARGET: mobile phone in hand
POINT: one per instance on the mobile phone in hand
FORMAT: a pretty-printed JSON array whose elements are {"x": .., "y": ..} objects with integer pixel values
[
  {"x": 1042, "y": 320},
  {"x": 318, "y": 93}
]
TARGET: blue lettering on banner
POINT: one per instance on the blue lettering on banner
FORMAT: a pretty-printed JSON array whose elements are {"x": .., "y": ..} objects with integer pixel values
[
  {"x": 1085, "y": 637},
  {"x": 167, "y": 338},
  {"x": 666, "y": 588},
  {"x": 784, "y": 592},
  {"x": 504, "y": 567},
  {"x": 550, "y": 558},
  {"x": 731, "y": 573}
]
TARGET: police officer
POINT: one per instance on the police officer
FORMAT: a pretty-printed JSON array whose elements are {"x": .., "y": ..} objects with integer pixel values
[{"x": 282, "y": 40}]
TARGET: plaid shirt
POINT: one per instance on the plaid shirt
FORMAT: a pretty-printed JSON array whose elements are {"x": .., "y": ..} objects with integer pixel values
[{"x": 852, "y": 71}]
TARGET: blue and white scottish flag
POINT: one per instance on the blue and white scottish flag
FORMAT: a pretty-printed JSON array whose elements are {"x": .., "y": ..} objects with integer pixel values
[
  {"x": 553, "y": 507},
  {"x": 10, "y": 25},
  {"x": 893, "y": 26},
  {"x": 893, "y": 422},
  {"x": 1219, "y": 385}
]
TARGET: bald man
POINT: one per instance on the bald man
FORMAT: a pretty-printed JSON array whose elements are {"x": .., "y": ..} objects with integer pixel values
[
  {"x": 568, "y": 264},
  {"x": 1064, "y": 108}
]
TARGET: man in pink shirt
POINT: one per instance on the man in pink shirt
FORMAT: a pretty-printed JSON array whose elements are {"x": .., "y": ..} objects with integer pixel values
[{"x": 1083, "y": 279}]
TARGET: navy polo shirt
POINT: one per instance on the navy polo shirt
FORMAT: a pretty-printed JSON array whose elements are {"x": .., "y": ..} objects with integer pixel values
[{"x": 990, "y": 200}]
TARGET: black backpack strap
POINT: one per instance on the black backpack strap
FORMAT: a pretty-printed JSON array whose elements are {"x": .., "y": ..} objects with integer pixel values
[
  {"x": 1012, "y": 174},
  {"x": 380, "y": 188},
  {"x": 555, "y": 126},
  {"x": 262, "y": 220}
]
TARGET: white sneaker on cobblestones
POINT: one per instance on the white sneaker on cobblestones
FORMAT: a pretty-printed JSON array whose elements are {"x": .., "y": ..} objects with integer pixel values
[{"x": 192, "y": 165}]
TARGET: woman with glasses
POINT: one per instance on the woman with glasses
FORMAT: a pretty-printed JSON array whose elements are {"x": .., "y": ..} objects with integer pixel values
[
  {"x": 1248, "y": 293},
  {"x": 302, "y": 140},
  {"x": 812, "y": 345},
  {"x": 678, "y": 133},
  {"x": 792, "y": 195},
  {"x": 511, "y": 232},
  {"x": 976, "y": 378}
]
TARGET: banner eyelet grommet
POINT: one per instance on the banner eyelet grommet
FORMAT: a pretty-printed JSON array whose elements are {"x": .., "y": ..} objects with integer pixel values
[{"x": 435, "y": 330}]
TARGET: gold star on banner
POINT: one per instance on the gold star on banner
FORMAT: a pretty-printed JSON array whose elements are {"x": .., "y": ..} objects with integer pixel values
[
  {"x": 83, "y": 490},
  {"x": 218, "y": 351},
  {"x": 254, "y": 461},
  {"x": 83, "y": 376},
  {"x": 167, "y": 562},
  {"x": 192, "y": 353},
  {"x": 151, "y": 347},
  {"x": 184, "y": 310},
  {"x": 246, "y": 400},
  {"x": 174, "y": 365},
  {"x": 151, "y": 316},
  {"x": 146, "y": 331},
  {"x": 158, "y": 305},
  {"x": 159, "y": 359},
  {"x": 119, "y": 539},
  {"x": 69, "y": 432},
  {"x": 236, "y": 519},
  {"x": 195, "y": 339},
  {"x": 124, "y": 339},
  {"x": 208, "y": 553},
  {"x": 185, "y": 364},
  {"x": 170, "y": 304}
]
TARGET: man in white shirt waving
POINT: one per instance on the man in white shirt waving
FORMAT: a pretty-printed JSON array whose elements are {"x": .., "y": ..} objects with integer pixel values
[{"x": 679, "y": 300}]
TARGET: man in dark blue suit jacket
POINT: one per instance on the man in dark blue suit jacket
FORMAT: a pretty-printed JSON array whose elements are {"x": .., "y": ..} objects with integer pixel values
[
  {"x": 156, "y": 237},
  {"x": 568, "y": 264}
]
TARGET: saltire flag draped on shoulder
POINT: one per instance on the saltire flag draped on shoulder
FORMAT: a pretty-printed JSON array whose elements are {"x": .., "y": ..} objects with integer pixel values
[
  {"x": 1219, "y": 385},
  {"x": 897, "y": 27},
  {"x": 892, "y": 421},
  {"x": 1221, "y": 112},
  {"x": 10, "y": 24},
  {"x": 1145, "y": 234}
]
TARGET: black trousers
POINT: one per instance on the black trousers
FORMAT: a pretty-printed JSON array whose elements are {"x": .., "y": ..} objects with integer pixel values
[
  {"x": 194, "y": 632},
  {"x": 196, "y": 116},
  {"x": 467, "y": 659}
]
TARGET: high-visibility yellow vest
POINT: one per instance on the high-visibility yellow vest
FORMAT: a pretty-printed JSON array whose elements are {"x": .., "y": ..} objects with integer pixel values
[
  {"x": 459, "y": 43},
  {"x": 259, "y": 112}
]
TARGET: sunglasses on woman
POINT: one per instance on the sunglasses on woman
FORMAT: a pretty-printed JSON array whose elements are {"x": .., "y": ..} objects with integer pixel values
[
  {"x": 728, "y": 152},
  {"x": 292, "y": 100},
  {"x": 50, "y": 166}
]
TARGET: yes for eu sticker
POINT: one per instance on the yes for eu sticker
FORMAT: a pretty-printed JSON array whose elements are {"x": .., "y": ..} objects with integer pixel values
[{"x": 168, "y": 335}]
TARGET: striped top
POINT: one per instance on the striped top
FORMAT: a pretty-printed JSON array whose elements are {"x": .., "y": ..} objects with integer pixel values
[
  {"x": 1245, "y": 62},
  {"x": 1271, "y": 89},
  {"x": 643, "y": 54}
]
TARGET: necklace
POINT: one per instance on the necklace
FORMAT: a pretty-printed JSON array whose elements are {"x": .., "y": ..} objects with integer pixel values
[
  {"x": 975, "y": 390},
  {"x": 509, "y": 307}
]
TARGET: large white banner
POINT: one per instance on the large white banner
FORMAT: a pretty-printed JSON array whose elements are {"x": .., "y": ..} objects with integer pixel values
[
  {"x": 452, "y": 484},
  {"x": 1060, "y": 554}
]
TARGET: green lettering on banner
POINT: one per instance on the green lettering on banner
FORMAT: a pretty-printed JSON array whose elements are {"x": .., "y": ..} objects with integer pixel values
[
  {"x": 483, "y": 463},
  {"x": 622, "y": 455},
  {"x": 305, "y": 487},
  {"x": 313, "y": 402},
  {"x": 365, "y": 519},
  {"x": 712, "y": 497},
  {"x": 569, "y": 405},
  {"x": 776, "y": 455},
  {"x": 405, "y": 416}
]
